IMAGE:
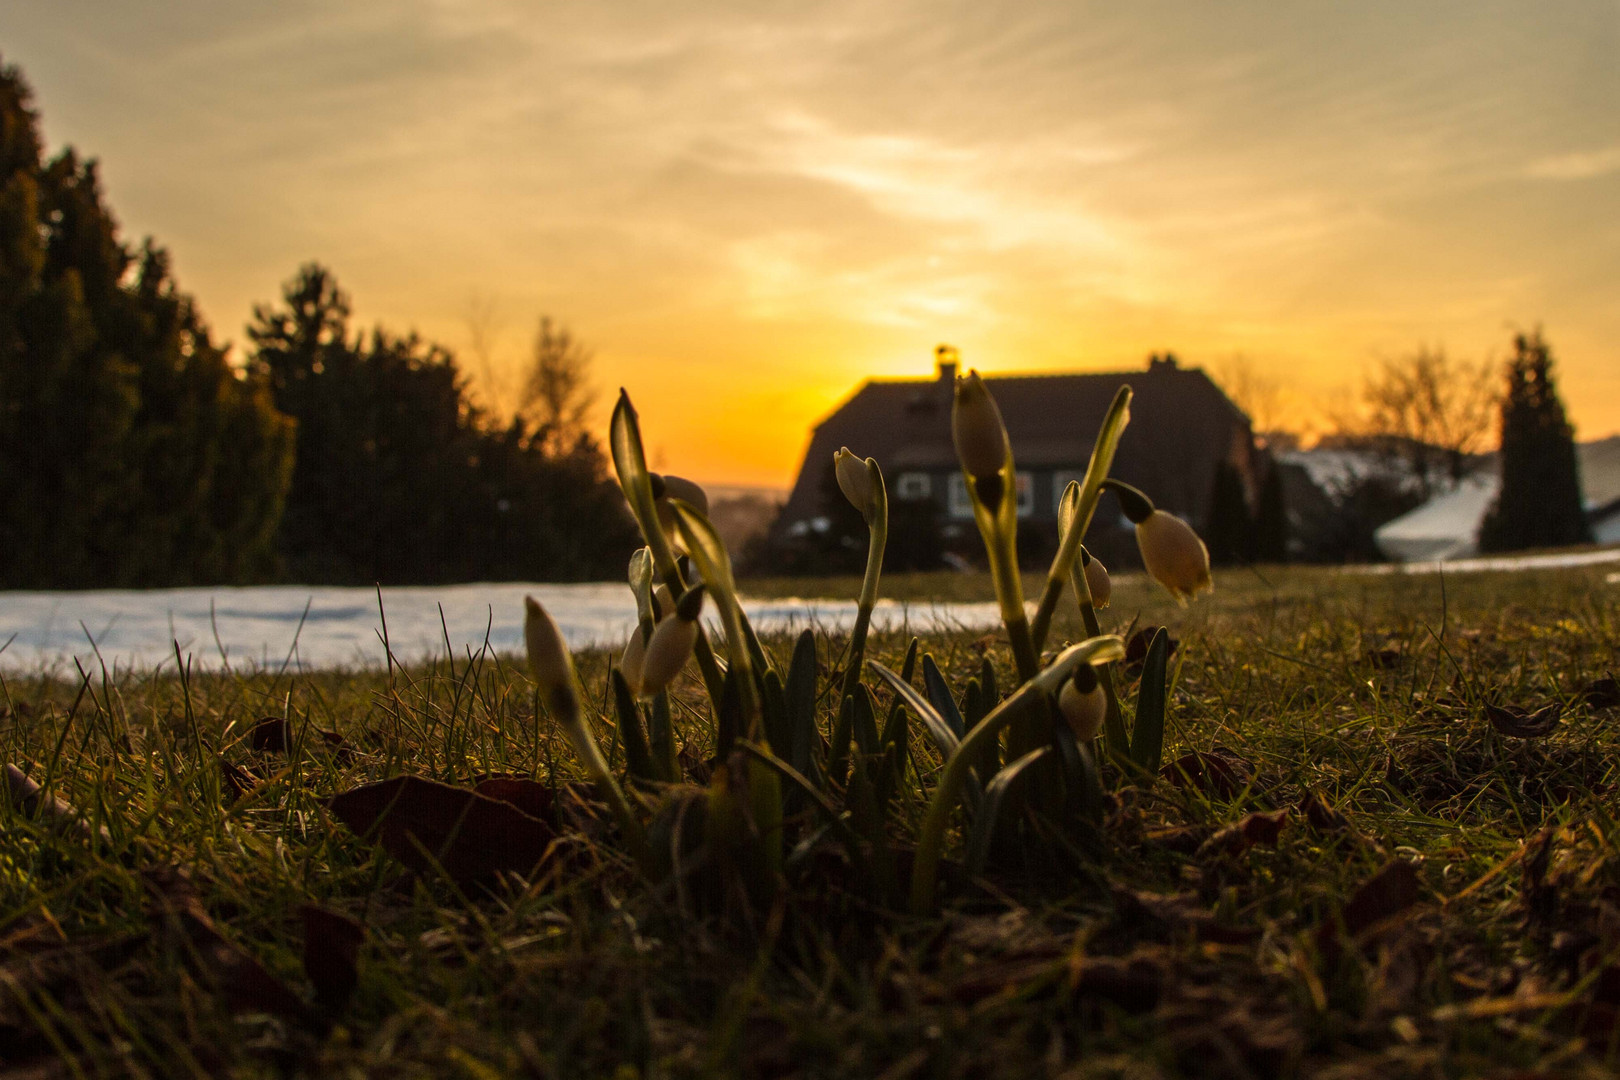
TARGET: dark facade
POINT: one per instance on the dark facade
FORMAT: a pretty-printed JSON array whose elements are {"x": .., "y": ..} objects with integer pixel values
[{"x": 1182, "y": 428}]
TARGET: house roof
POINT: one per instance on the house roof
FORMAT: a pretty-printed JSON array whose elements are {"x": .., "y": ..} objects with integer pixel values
[{"x": 1181, "y": 426}]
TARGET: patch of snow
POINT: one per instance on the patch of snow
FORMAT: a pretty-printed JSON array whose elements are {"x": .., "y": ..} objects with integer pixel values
[
  {"x": 1552, "y": 560},
  {"x": 310, "y": 628}
]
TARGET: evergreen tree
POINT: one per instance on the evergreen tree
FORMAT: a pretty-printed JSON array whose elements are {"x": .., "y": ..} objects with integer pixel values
[
  {"x": 1539, "y": 503},
  {"x": 400, "y": 479},
  {"x": 1230, "y": 534},
  {"x": 1271, "y": 518},
  {"x": 131, "y": 453}
]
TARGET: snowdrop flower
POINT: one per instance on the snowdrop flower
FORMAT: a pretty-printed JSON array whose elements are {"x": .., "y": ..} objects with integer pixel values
[
  {"x": 1171, "y": 550},
  {"x": 855, "y": 480},
  {"x": 977, "y": 428},
  {"x": 671, "y": 645},
  {"x": 1083, "y": 704},
  {"x": 633, "y": 662},
  {"x": 549, "y": 660},
  {"x": 1097, "y": 580},
  {"x": 666, "y": 488}
]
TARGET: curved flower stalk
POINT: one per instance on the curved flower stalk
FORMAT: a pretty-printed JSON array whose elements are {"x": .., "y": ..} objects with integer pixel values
[
  {"x": 644, "y": 491},
  {"x": 764, "y": 786},
  {"x": 1074, "y": 516},
  {"x": 1171, "y": 551},
  {"x": 1068, "y": 517},
  {"x": 862, "y": 483},
  {"x": 987, "y": 466},
  {"x": 553, "y": 670},
  {"x": 953, "y": 780}
]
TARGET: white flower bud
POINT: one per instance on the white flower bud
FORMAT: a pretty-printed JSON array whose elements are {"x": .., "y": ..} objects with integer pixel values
[
  {"x": 633, "y": 662},
  {"x": 1083, "y": 709},
  {"x": 977, "y": 429},
  {"x": 854, "y": 479},
  {"x": 667, "y": 653},
  {"x": 1097, "y": 581},
  {"x": 1173, "y": 554},
  {"x": 549, "y": 661}
]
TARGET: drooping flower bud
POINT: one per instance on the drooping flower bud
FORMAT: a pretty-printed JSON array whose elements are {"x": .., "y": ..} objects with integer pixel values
[
  {"x": 855, "y": 480},
  {"x": 1097, "y": 580},
  {"x": 664, "y": 602},
  {"x": 1171, "y": 551},
  {"x": 1173, "y": 554},
  {"x": 671, "y": 645},
  {"x": 976, "y": 428},
  {"x": 1083, "y": 704},
  {"x": 667, "y": 487},
  {"x": 549, "y": 660},
  {"x": 633, "y": 662}
]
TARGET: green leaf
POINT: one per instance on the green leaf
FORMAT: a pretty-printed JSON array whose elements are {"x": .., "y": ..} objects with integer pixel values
[
  {"x": 773, "y": 709},
  {"x": 835, "y": 820},
  {"x": 1147, "y": 735},
  {"x": 630, "y": 462},
  {"x": 939, "y": 728},
  {"x": 940, "y": 694},
  {"x": 995, "y": 794},
  {"x": 729, "y": 721},
  {"x": 637, "y": 755},
  {"x": 800, "y": 693},
  {"x": 909, "y": 667},
  {"x": 661, "y": 740},
  {"x": 1080, "y": 771},
  {"x": 864, "y": 720}
]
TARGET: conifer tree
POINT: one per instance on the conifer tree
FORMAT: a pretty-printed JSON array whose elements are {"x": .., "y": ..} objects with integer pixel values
[
  {"x": 1539, "y": 503},
  {"x": 131, "y": 453},
  {"x": 1230, "y": 532},
  {"x": 1271, "y": 518}
]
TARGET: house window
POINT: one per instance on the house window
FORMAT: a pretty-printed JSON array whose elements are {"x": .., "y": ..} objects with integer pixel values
[
  {"x": 1026, "y": 494},
  {"x": 913, "y": 485},
  {"x": 960, "y": 506}
]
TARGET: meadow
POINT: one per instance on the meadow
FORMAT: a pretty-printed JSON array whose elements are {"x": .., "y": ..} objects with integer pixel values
[{"x": 1362, "y": 875}]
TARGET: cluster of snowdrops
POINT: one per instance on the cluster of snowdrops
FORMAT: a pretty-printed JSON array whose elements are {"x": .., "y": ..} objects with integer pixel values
[{"x": 1011, "y": 766}]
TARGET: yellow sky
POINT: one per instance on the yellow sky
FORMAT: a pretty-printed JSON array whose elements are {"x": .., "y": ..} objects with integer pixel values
[{"x": 746, "y": 208}]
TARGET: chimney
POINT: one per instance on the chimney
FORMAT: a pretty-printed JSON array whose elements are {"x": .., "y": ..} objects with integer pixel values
[{"x": 946, "y": 356}]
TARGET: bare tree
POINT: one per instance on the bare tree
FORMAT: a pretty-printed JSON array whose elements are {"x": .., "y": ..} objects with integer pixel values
[
  {"x": 1431, "y": 411},
  {"x": 1259, "y": 394},
  {"x": 481, "y": 318},
  {"x": 557, "y": 393}
]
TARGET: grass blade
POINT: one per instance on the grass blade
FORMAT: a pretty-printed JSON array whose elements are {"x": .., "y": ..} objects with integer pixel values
[{"x": 1147, "y": 734}]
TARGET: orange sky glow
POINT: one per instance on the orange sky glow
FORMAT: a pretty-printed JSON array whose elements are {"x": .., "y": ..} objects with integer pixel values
[{"x": 747, "y": 208}]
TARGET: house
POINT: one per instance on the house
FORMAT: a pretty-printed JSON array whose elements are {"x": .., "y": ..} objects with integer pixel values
[
  {"x": 1182, "y": 428},
  {"x": 1447, "y": 526}
]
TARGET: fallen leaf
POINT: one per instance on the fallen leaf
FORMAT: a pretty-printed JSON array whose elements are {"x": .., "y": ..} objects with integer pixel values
[
  {"x": 331, "y": 954},
  {"x": 1385, "y": 659},
  {"x": 1136, "y": 648},
  {"x": 1215, "y": 772},
  {"x": 1602, "y": 693},
  {"x": 1165, "y": 915},
  {"x": 421, "y": 821},
  {"x": 1256, "y": 828},
  {"x": 1319, "y": 815},
  {"x": 273, "y": 735},
  {"x": 1383, "y": 896},
  {"x": 56, "y": 812},
  {"x": 238, "y": 781},
  {"x": 236, "y": 976},
  {"x": 1520, "y": 723}
]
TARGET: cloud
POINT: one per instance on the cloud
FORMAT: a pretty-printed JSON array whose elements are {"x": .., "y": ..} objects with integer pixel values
[{"x": 1582, "y": 165}]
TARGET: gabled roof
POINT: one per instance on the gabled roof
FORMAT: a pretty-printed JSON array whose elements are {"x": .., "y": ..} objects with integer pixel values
[{"x": 1181, "y": 426}]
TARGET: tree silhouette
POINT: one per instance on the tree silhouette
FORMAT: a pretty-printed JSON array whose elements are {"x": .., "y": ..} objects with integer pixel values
[
  {"x": 131, "y": 452},
  {"x": 1539, "y": 504}
]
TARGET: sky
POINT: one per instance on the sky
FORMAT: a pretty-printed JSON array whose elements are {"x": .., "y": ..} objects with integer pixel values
[{"x": 746, "y": 209}]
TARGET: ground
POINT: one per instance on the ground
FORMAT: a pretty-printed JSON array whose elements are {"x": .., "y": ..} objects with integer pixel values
[{"x": 1357, "y": 873}]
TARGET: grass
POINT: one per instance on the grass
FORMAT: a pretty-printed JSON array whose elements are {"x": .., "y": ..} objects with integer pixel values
[{"x": 1164, "y": 948}]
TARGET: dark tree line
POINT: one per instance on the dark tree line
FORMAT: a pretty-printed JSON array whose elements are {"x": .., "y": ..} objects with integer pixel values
[{"x": 133, "y": 453}]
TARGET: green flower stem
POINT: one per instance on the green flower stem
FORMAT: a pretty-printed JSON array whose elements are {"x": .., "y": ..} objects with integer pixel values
[
  {"x": 564, "y": 704},
  {"x": 1079, "y": 503},
  {"x": 931, "y": 840},
  {"x": 1119, "y": 743},
  {"x": 878, "y": 538}
]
